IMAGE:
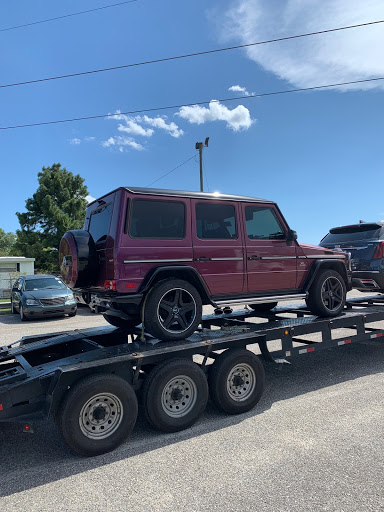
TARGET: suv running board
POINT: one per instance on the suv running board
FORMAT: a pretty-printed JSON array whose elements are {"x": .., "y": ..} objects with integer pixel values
[{"x": 261, "y": 300}]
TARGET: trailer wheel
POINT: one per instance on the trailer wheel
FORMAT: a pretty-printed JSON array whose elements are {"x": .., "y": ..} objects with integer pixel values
[
  {"x": 98, "y": 414},
  {"x": 327, "y": 294},
  {"x": 175, "y": 394},
  {"x": 236, "y": 381}
]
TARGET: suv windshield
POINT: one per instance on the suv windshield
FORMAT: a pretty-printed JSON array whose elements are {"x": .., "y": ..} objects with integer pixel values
[
  {"x": 51, "y": 283},
  {"x": 359, "y": 232}
]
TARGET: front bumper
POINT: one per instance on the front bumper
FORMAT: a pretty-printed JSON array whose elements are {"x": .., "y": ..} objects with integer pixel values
[{"x": 48, "y": 311}]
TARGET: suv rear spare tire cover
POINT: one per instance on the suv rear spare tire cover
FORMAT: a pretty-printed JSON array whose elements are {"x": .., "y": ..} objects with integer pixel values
[{"x": 78, "y": 258}]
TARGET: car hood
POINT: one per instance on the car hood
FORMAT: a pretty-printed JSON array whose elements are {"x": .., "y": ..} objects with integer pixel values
[{"x": 46, "y": 294}]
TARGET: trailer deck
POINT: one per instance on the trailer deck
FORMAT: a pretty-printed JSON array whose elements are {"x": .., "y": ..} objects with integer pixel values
[{"x": 37, "y": 372}]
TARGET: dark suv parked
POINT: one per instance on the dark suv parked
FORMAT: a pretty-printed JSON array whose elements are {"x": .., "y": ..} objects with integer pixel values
[
  {"x": 365, "y": 242},
  {"x": 158, "y": 255}
]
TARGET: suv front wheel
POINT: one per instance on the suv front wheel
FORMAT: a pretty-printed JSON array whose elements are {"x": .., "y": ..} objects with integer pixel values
[
  {"x": 172, "y": 310},
  {"x": 327, "y": 294}
]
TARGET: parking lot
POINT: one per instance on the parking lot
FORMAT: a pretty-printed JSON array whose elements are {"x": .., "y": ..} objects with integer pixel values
[{"x": 314, "y": 442}]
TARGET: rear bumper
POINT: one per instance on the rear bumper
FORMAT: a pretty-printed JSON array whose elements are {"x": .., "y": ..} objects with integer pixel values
[{"x": 368, "y": 280}]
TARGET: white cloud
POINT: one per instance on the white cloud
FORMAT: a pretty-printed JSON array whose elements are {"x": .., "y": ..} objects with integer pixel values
[
  {"x": 238, "y": 88},
  {"x": 343, "y": 56},
  {"x": 89, "y": 139},
  {"x": 75, "y": 141},
  {"x": 237, "y": 119},
  {"x": 159, "y": 122},
  {"x": 134, "y": 128},
  {"x": 90, "y": 198},
  {"x": 121, "y": 142}
]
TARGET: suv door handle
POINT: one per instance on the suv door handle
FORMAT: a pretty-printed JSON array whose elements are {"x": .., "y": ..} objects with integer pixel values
[
  {"x": 203, "y": 258},
  {"x": 254, "y": 257}
]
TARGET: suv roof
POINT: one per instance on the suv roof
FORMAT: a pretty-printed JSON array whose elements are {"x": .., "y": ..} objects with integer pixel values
[
  {"x": 186, "y": 193},
  {"x": 354, "y": 228}
]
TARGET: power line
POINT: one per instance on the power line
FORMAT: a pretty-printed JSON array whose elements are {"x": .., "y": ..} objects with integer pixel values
[
  {"x": 169, "y": 172},
  {"x": 66, "y": 16},
  {"x": 178, "y": 57},
  {"x": 170, "y": 107}
]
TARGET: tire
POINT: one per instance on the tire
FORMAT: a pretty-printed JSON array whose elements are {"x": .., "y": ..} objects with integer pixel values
[
  {"x": 13, "y": 310},
  {"x": 78, "y": 259},
  {"x": 263, "y": 307},
  {"x": 123, "y": 323},
  {"x": 23, "y": 318},
  {"x": 90, "y": 429},
  {"x": 175, "y": 394},
  {"x": 236, "y": 381},
  {"x": 72, "y": 314},
  {"x": 327, "y": 294},
  {"x": 173, "y": 310}
]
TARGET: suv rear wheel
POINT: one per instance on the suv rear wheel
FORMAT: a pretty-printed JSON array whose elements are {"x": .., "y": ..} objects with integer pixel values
[
  {"x": 172, "y": 310},
  {"x": 327, "y": 294}
]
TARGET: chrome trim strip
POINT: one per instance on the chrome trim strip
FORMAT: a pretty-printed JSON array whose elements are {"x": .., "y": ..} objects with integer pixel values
[
  {"x": 226, "y": 259},
  {"x": 367, "y": 271},
  {"x": 257, "y": 300},
  {"x": 278, "y": 257},
  {"x": 321, "y": 257},
  {"x": 159, "y": 261}
]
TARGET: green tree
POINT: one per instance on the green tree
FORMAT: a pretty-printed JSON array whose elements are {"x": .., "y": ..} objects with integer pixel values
[
  {"x": 7, "y": 241},
  {"x": 57, "y": 205}
]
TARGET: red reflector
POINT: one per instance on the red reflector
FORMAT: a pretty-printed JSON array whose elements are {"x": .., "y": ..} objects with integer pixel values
[
  {"x": 26, "y": 428},
  {"x": 347, "y": 341},
  {"x": 130, "y": 285},
  {"x": 110, "y": 285},
  {"x": 1, "y": 407},
  {"x": 379, "y": 334},
  {"x": 379, "y": 252},
  {"x": 312, "y": 349}
]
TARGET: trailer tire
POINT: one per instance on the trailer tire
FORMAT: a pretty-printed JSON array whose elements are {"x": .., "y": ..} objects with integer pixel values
[
  {"x": 236, "y": 381},
  {"x": 327, "y": 295},
  {"x": 97, "y": 414},
  {"x": 175, "y": 394}
]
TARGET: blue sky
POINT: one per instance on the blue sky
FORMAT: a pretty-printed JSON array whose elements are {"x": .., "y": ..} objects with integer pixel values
[{"x": 318, "y": 154}]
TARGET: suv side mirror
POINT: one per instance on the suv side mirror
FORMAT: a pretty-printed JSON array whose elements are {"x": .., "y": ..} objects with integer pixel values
[{"x": 292, "y": 236}]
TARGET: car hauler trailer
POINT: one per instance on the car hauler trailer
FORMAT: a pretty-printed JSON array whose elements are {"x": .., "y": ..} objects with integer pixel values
[{"x": 88, "y": 380}]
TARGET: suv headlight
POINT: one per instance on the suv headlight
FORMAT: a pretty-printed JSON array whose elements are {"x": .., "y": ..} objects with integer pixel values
[
  {"x": 32, "y": 302},
  {"x": 70, "y": 298}
]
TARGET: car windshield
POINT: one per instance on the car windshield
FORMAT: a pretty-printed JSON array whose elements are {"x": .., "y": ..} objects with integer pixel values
[
  {"x": 359, "y": 232},
  {"x": 46, "y": 283}
]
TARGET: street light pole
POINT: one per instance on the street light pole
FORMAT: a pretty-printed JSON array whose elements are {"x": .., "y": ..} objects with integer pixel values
[{"x": 200, "y": 146}]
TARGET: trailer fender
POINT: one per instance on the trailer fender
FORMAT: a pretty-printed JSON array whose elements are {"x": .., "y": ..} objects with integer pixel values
[{"x": 65, "y": 378}]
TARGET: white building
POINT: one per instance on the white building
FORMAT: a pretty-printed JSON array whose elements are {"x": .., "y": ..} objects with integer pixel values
[{"x": 11, "y": 267}]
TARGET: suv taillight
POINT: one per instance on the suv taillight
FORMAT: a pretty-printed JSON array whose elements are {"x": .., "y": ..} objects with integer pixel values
[
  {"x": 379, "y": 251},
  {"x": 110, "y": 285}
]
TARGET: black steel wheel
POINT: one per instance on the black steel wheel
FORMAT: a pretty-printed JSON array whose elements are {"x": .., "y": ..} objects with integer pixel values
[
  {"x": 327, "y": 294},
  {"x": 123, "y": 323},
  {"x": 173, "y": 310},
  {"x": 23, "y": 318},
  {"x": 236, "y": 381},
  {"x": 98, "y": 414},
  {"x": 263, "y": 307},
  {"x": 175, "y": 394}
]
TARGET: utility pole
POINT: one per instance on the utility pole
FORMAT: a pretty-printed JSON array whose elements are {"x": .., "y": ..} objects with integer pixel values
[{"x": 200, "y": 146}]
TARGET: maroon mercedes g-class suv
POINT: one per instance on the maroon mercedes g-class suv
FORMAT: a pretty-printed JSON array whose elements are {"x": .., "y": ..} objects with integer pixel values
[{"x": 157, "y": 256}]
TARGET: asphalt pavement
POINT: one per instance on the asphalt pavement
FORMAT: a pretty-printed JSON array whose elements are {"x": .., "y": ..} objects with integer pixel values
[{"x": 313, "y": 443}]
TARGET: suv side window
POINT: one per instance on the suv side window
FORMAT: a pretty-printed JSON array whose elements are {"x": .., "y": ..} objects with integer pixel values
[
  {"x": 215, "y": 221},
  {"x": 157, "y": 219},
  {"x": 262, "y": 224}
]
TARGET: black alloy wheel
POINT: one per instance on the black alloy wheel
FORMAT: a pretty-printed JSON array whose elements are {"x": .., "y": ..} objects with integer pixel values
[
  {"x": 172, "y": 310},
  {"x": 327, "y": 294}
]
